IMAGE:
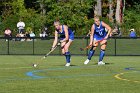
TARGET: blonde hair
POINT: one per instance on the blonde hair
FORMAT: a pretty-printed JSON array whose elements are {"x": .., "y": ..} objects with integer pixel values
[
  {"x": 57, "y": 22},
  {"x": 96, "y": 17}
]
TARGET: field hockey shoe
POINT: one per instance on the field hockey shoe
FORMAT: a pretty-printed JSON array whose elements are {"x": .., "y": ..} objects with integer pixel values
[
  {"x": 67, "y": 64},
  {"x": 101, "y": 63},
  {"x": 87, "y": 61}
]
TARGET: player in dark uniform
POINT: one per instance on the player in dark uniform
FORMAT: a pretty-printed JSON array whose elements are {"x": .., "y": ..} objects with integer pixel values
[
  {"x": 98, "y": 35},
  {"x": 66, "y": 38}
]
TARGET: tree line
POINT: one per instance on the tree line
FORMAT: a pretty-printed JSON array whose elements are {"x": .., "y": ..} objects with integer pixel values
[{"x": 77, "y": 14}]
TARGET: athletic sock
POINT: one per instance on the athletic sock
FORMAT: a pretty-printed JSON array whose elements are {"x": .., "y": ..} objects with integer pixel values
[
  {"x": 102, "y": 53},
  {"x": 91, "y": 53},
  {"x": 68, "y": 56}
]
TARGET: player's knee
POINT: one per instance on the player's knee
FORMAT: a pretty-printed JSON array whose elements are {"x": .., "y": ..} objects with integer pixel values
[
  {"x": 63, "y": 52},
  {"x": 103, "y": 50},
  {"x": 94, "y": 48},
  {"x": 66, "y": 48},
  {"x": 104, "y": 44},
  {"x": 95, "y": 44},
  {"x": 103, "y": 47}
]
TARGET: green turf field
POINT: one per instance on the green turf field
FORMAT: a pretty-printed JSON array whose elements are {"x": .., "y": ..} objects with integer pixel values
[{"x": 119, "y": 75}]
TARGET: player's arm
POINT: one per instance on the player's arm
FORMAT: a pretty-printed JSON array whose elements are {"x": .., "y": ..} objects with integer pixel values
[
  {"x": 55, "y": 39},
  {"x": 108, "y": 29},
  {"x": 91, "y": 35},
  {"x": 66, "y": 34},
  {"x": 17, "y": 24},
  {"x": 23, "y": 24}
]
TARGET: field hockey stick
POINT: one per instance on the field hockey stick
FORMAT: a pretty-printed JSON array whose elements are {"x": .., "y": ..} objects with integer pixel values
[
  {"x": 88, "y": 34},
  {"x": 35, "y": 65},
  {"x": 51, "y": 50},
  {"x": 89, "y": 46}
]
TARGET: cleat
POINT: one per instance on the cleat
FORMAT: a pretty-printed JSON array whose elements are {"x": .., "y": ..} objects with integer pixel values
[
  {"x": 87, "y": 61},
  {"x": 101, "y": 63},
  {"x": 68, "y": 64}
]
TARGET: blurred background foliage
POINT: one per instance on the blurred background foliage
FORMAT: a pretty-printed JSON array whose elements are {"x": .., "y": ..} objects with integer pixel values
[{"x": 77, "y": 14}]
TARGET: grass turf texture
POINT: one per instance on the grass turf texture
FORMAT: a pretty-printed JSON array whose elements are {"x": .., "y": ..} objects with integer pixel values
[{"x": 78, "y": 78}]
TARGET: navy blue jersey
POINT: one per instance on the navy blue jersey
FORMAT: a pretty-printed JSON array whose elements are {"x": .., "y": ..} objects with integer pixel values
[
  {"x": 62, "y": 34},
  {"x": 99, "y": 32}
]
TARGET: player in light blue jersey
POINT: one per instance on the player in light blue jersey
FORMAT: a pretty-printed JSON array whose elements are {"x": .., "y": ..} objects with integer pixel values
[
  {"x": 66, "y": 39},
  {"x": 98, "y": 35}
]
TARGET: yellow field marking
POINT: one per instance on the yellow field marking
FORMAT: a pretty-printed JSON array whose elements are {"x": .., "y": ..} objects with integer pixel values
[{"x": 118, "y": 76}]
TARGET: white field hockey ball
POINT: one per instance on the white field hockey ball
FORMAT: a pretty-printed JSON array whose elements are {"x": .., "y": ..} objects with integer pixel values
[{"x": 34, "y": 65}]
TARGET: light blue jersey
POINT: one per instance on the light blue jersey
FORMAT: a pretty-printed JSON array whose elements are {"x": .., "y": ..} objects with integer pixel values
[
  {"x": 62, "y": 34},
  {"x": 99, "y": 32}
]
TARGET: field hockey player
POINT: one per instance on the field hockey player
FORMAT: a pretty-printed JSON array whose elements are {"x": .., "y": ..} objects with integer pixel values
[
  {"x": 66, "y": 39},
  {"x": 98, "y": 35}
]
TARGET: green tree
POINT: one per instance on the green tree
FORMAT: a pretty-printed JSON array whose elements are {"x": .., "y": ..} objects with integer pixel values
[
  {"x": 74, "y": 13},
  {"x": 18, "y": 7},
  {"x": 131, "y": 20},
  {"x": 17, "y": 11}
]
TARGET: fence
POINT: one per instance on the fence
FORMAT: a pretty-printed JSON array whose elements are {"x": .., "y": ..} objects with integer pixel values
[{"x": 37, "y": 46}]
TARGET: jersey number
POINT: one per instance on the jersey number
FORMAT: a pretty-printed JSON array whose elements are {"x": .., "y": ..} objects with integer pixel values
[{"x": 100, "y": 33}]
